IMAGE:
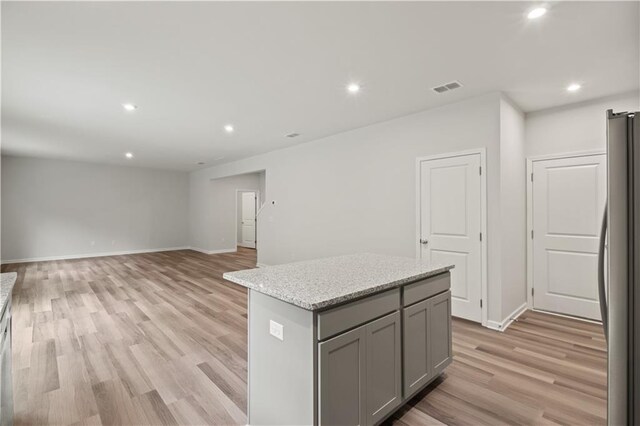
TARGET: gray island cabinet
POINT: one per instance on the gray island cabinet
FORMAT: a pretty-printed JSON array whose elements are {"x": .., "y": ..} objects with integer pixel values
[{"x": 344, "y": 340}]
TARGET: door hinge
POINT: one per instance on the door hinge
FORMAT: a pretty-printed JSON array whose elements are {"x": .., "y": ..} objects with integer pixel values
[
  {"x": 480, "y": 170},
  {"x": 481, "y": 303},
  {"x": 481, "y": 236},
  {"x": 531, "y": 177},
  {"x": 532, "y": 234}
]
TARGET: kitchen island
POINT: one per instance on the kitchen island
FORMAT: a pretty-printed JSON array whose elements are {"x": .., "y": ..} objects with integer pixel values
[
  {"x": 7, "y": 281},
  {"x": 343, "y": 340}
]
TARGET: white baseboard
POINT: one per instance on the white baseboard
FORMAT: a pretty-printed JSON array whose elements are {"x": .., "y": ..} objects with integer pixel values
[
  {"x": 114, "y": 253},
  {"x": 505, "y": 323},
  {"x": 229, "y": 250},
  {"x": 249, "y": 247},
  {"x": 89, "y": 255},
  {"x": 556, "y": 314},
  {"x": 261, "y": 265}
]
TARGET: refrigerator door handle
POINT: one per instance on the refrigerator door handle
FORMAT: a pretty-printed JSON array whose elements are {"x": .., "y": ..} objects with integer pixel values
[{"x": 602, "y": 292}]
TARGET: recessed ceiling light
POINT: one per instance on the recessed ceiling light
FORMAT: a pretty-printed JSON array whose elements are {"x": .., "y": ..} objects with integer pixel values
[
  {"x": 353, "y": 88},
  {"x": 129, "y": 155},
  {"x": 573, "y": 87},
  {"x": 537, "y": 12},
  {"x": 129, "y": 107},
  {"x": 228, "y": 128}
]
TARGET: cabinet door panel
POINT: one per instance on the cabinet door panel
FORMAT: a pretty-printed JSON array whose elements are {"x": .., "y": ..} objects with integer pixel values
[
  {"x": 384, "y": 384},
  {"x": 417, "y": 363},
  {"x": 342, "y": 379},
  {"x": 440, "y": 332}
]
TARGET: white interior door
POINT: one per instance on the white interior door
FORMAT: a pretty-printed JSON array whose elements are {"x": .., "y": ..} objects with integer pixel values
[
  {"x": 249, "y": 201},
  {"x": 450, "y": 226},
  {"x": 568, "y": 202}
]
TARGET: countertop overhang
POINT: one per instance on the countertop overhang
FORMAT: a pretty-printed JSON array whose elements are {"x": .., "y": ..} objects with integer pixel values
[
  {"x": 7, "y": 280},
  {"x": 323, "y": 283}
]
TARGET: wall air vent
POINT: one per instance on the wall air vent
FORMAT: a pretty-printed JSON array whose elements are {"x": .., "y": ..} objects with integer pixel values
[{"x": 447, "y": 87}]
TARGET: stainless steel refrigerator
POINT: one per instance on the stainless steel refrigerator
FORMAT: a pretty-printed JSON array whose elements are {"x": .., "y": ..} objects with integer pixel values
[{"x": 621, "y": 306}]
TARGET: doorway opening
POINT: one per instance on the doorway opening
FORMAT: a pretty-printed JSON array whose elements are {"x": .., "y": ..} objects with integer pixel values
[
  {"x": 246, "y": 218},
  {"x": 234, "y": 208}
]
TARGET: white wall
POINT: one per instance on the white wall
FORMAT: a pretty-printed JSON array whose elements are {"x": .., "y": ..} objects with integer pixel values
[
  {"x": 355, "y": 191},
  {"x": 576, "y": 127},
  {"x": 214, "y": 212},
  {"x": 513, "y": 208},
  {"x": 53, "y": 208}
]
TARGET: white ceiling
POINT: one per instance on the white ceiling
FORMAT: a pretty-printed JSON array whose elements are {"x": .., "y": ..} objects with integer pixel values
[{"x": 276, "y": 68}]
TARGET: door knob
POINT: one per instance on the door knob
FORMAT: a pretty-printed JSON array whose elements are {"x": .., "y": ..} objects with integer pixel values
[{"x": 425, "y": 241}]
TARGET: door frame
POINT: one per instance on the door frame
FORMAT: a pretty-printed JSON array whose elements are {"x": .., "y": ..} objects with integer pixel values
[
  {"x": 238, "y": 192},
  {"x": 483, "y": 216},
  {"x": 529, "y": 178}
]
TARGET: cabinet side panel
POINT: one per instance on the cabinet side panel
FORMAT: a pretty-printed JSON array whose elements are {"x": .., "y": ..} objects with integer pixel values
[{"x": 281, "y": 372}]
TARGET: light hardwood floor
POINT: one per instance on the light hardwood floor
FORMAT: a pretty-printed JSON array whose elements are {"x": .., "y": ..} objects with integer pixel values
[{"x": 161, "y": 339}]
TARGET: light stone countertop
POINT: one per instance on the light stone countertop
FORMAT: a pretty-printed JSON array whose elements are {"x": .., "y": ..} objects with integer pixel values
[
  {"x": 322, "y": 283},
  {"x": 7, "y": 280}
]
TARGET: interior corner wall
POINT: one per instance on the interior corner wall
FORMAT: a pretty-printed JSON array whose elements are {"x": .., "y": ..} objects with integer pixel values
[
  {"x": 263, "y": 188},
  {"x": 575, "y": 127},
  {"x": 66, "y": 209},
  {"x": 355, "y": 191},
  {"x": 513, "y": 209},
  {"x": 213, "y": 215}
]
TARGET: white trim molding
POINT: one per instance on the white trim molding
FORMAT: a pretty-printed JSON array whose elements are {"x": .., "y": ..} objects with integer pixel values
[
  {"x": 555, "y": 314},
  {"x": 505, "y": 323},
  {"x": 221, "y": 251},
  {"x": 261, "y": 265},
  {"x": 483, "y": 220},
  {"x": 89, "y": 255}
]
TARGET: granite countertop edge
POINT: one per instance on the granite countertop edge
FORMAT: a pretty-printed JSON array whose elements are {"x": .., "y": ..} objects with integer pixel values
[
  {"x": 7, "y": 281},
  {"x": 334, "y": 301}
]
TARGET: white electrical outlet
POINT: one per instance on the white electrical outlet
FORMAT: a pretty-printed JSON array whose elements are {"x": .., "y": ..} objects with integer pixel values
[{"x": 276, "y": 329}]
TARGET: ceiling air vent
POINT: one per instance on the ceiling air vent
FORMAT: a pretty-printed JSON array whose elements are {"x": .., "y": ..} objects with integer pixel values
[{"x": 447, "y": 87}]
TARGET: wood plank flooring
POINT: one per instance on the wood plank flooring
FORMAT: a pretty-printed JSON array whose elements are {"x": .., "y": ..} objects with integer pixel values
[{"x": 160, "y": 338}]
